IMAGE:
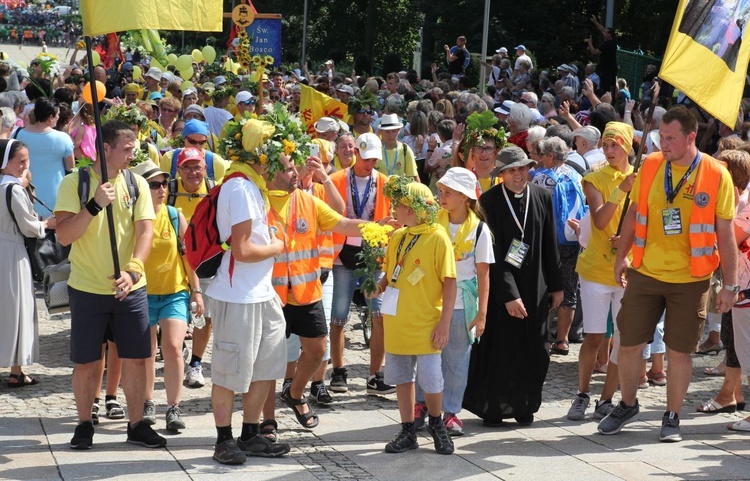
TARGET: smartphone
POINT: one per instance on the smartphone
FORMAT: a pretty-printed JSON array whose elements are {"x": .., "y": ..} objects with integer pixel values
[{"x": 314, "y": 150}]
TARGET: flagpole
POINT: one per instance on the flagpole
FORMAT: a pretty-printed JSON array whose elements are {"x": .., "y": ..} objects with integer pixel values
[{"x": 101, "y": 157}]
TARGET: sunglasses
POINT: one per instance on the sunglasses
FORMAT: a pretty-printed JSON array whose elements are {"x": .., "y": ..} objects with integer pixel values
[
  {"x": 195, "y": 142},
  {"x": 154, "y": 185},
  {"x": 250, "y": 102},
  {"x": 366, "y": 112}
]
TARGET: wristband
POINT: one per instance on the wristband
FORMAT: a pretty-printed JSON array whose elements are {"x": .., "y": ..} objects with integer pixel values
[
  {"x": 327, "y": 181},
  {"x": 617, "y": 196},
  {"x": 93, "y": 207},
  {"x": 628, "y": 111},
  {"x": 135, "y": 265},
  {"x": 430, "y": 150},
  {"x": 198, "y": 291}
]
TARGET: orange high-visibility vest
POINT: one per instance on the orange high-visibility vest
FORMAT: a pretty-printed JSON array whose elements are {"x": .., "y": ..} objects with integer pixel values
[
  {"x": 704, "y": 258},
  {"x": 325, "y": 239},
  {"x": 298, "y": 267},
  {"x": 340, "y": 179}
]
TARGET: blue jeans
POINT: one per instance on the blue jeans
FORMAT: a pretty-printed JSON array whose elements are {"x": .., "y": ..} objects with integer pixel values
[
  {"x": 344, "y": 284},
  {"x": 657, "y": 346},
  {"x": 455, "y": 365}
]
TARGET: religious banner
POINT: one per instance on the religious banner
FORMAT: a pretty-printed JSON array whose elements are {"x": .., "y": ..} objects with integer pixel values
[
  {"x": 706, "y": 57},
  {"x": 101, "y": 17},
  {"x": 314, "y": 105},
  {"x": 265, "y": 37}
]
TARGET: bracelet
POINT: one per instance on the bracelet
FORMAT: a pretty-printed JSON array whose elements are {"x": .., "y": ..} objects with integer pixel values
[
  {"x": 628, "y": 111},
  {"x": 430, "y": 150},
  {"x": 617, "y": 196},
  {"x": 328, "y": 180},
  {"x": 93, "y": 207},
  {"x": 198, "y": 291}
]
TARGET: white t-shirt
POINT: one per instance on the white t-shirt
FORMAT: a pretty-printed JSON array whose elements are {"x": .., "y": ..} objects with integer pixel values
[
  {"x": 520, "y": 58},
  {"x": 466, "y": 268},
  {"x": 239, "y": 201},
  {"x": 216, "y": 118},
  {"x": 595, "y": 158},
  {"x": 495, "y": 76}
]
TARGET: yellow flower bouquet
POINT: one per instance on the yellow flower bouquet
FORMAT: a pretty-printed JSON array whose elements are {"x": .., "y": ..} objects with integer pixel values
[{"x": 374, "y": 243}]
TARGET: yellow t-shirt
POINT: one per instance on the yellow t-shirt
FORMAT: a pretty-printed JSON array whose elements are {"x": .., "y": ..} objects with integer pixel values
[
  {"x": 327, "y": 218},
  {"x": 419, "y": 305},
  {"x": 394, "y": 163},
  {"x": 186, "y": 203},
  {"x": 597, "y": 262},
  {"x": 488, "y": 182},
  {"x": 90, "y": 256},
  {"x": 667, "y": 258},
  {"x": 164, "y": 267},
  {"x": 220, "y": 165}
]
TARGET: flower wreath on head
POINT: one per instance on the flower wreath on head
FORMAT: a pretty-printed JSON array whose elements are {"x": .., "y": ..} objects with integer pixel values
[
  {"x": 222, "y": 93},
  {"x": 479, "y": 126},
  {"x": 363, "y": 97},
  {"x": 129, "y": 114},
  {"x": 397, "y": 189},
  {"x": 264, "y": 139}
]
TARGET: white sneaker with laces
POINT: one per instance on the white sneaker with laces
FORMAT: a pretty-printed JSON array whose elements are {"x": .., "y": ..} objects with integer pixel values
[{"x": 194, "y": 377}]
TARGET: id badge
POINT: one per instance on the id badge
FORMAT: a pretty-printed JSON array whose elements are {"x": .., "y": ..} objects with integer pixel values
[
  {"x": 396, "y": 273},
  {"x": 671, "y": 221},
  {"x": 516, "y": 253},
  {"x": 415, "y": 276},
  {"x": 390, "y": 301}
]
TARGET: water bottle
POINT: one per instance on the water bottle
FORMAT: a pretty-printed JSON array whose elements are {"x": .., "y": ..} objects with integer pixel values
[{"x": 198, "y": 321}]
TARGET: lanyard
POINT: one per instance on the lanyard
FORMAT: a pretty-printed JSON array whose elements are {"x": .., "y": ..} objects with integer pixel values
[
  {"x": 513, "y": 211},
  {"x": 388, "y": 168},
  {"x": 359, "y": 208},
  {"x": 400, "y": 263},
  {"x": 672, "y": 193}
]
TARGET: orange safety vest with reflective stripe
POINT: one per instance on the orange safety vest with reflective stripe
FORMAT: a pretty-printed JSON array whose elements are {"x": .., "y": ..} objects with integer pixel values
[
  {"x": 325, "y": 239},
  {"x": 704, "y": 258},
  {"x": 297, "y": 267},
  {"x": 340, "y": 179}
]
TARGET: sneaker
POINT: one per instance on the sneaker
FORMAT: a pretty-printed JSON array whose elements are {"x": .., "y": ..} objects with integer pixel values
[
  {"x": 453, "y": 425},
  {"x": 174, "y": 419},
  {"x": 577, "y": 411},
  {"x": 420, "y": 414},
  {"x": 403, "y": 442},
  {"x": 83, "y": 437},
  {"x": 262, "y": 447},
  {"x": 643, "y": 382},
  {"x": 194, "y": 376},
  {"x": 377, "y": 385},
  {"x": 95, "y": 414},
  {"x": 338, "y": 380},
  {"x": 227, "y": 452},
  {"x": 670, "y": 428},
  {"x": 144, "y": 435},
  {"x": 619, "y": 417},
  {"x": 603, "y": 408},
  {"x": 443, "y": 442},
  {"x": 114, "y": 410},
  {"x": 149, "y": 413},
  {"x": 319, "y": 393},
  {"x": 185, "y": 353},
  {"x": 657, "y": 378}
]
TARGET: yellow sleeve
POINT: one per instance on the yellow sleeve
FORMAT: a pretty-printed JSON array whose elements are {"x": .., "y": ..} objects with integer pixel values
[
  {"x": 445, "y": 260},
  {"x": 410, "y": 165},
  {"x": 153, "y": 152},
  {"x": 67, "y": 195},
  {"x": 327, "y": 217},
  {"x": 725, "y": 203},
  {"x": 220, "y": 168},
  {"x": 144, "y": 209},
  {"x": 166, "y": 161},
  {"x": 634, "y": 192}
]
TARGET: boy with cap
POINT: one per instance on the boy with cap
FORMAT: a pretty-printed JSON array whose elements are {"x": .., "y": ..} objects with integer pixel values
[{"x": 419, "y": 292}]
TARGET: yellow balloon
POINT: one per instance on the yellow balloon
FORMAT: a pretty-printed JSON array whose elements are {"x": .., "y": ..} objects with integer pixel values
[
  {"x": 183, "y": 62},
  {"x": 187, "y": 85},
  {"x": 209, "y": 54},
  {"x": 172, "y": 58},
  {"x": 197, "y": 55},
  {"x": 187, "y": 74},
  {"x": 96, "y": 58},
  {"x": 155, "y": 63},
  {"x": 137, "y": 73}
]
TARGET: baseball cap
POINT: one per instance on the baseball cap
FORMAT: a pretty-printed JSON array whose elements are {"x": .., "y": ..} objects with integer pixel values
[
  {"x": 346, "y": 89},
  {"x": 243, "y": 97},
  {"x": 155, "y": 96},
  {"x": 369, "y": 146},
  {"x": 189, "y": 153},
  {"x": 194, "y": 109},
  {"x": 461, "y": 180},
  {"x": 501, "y": 50},
  {"x": 522, "y": 47},
  {"x": 189, "y": 91},
  {"x": 588, "y": 132}
]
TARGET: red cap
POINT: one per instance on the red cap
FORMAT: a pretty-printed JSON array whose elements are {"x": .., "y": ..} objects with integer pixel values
[{"x": 189, "y": 153}]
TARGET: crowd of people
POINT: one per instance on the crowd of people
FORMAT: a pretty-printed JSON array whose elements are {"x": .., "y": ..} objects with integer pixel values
[
  {"x": 24, "y": 26},
  {"x": 506, "y": 207}
]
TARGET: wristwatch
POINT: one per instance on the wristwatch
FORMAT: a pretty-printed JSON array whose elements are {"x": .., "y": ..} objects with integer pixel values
[{"x": 735, "y": 289}]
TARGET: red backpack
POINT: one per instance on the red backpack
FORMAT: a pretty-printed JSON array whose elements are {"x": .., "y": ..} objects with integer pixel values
[{"x": 204, "y": 248}]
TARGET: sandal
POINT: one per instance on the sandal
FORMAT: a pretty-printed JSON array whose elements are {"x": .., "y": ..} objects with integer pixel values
[
  {"x": 713, "y": 349},
  {"x": 305, "y": 418},
  {"x": 657, "y": 378},
  {"x": 719, "y": 370},
  {"x": 712, "y": 407},
  {"x": 268, "y": 429},
  {"x": 114, "y": 409},
  {"x": 21, "y": 380},
  {"x": 556, "y": 349}
]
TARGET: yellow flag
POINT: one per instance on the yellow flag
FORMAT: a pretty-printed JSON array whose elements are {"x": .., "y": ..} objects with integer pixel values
[
  {"x": 106, "y": 16},
  {"x": 706, "y": 58},
  {"x": 314, "y": 105}
]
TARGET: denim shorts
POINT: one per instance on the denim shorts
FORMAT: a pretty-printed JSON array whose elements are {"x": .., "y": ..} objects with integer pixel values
[
  {"x": 170, "y": 306},
  {"x": 344, "y": 284}
]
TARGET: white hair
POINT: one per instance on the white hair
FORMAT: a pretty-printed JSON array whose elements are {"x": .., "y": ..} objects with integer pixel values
[{"x": 520, "y": 116}]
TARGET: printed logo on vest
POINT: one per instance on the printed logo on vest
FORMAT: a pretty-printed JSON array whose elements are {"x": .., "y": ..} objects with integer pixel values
[
  {"x": 702, "y": 199},
  {"x": 301, "y": 226}
]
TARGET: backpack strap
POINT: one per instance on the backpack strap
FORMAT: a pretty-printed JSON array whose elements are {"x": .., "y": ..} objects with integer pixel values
[
  {"x": 173, "y": 167},
  {"x": 480, "y": 226},
  {"x": 210, "y": 164},
  {"x": 210, "y": 183},
  {"x": 15, "y": 134},
  {"x": 172, "y": 198},
  {"x": 8, "y": 197},
  {"x": 84, "y": 185},
  {"x": 133, "y": 191},
  {"x": 174, "y": 219}
]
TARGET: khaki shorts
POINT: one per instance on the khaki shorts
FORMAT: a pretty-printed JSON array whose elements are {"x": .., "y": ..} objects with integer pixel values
[
  {"x": 646, "y": 299},
  {"x": 249, "y": 343}
]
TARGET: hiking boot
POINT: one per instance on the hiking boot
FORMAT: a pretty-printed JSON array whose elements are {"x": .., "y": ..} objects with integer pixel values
[
  {"x": 262, "y": 447},
  {"x": 174, "y": 419},
  {"x": 149, "y": 413},
  {"x": 602, "y": 409},
  {"x": 338, "y": 380},
  {"x": 194, "y": 377},
  {"x": 227, "y": 452},
  {"x": 114, "y": 409},
  {"x": 403, "y": 442},
  {"x": 443, "y": 442},
  {"x": 144, "y": 435},
  {"x": 577, "y": 411},
  {"x": 319, "y": 393},
  {"x": 377, "y": 385},
  {"x": 619, "y": 417},
  {"x": 95, "y": 414},
  {"x": 420, "y": 414},
  {"x": 453, "y": 425},
  {"x": 670, "y": 428},
  {"x": 83, "y": 437}
]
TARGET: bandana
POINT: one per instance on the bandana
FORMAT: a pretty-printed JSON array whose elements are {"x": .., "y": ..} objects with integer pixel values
[{"x": 621, "y": 133}]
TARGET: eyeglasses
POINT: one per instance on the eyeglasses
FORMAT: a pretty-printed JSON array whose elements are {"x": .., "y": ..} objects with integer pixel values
[
  {"x": 156, "y": 185},
  {"x": 486, "y": 149},
  {"x": 192, "y": 170},
  {"x": 366, "y": 112},
  {"x": 194, "y": 141}
]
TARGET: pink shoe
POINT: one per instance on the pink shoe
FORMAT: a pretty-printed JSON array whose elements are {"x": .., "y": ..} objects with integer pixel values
[
  {"x": 453, "y": 425},
  {"x": 657, "y": 378},
  {"x": 420, "y": 414},
  {"x": 643, "y": 383}
]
